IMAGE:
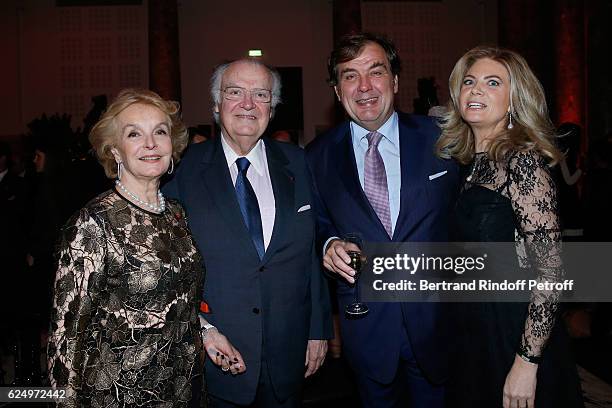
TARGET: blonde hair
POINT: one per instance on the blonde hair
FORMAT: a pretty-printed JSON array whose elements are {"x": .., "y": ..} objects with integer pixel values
[
  {"x": 532, "y": 129},
  {"x": 104, "y": 135}
]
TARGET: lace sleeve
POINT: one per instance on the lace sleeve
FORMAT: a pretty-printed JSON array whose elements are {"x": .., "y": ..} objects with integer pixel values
[
  {"x": 535, "y": 203},
  {"x": 80, "y": 253}
]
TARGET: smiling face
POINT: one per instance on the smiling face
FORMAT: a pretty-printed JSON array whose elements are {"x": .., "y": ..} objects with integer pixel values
[
  {"x": 484, "y": 100},
  {"x": 366, "y": 87},
  {"x": 143, "y": 143},
  {"x": 243, "y": 121}
]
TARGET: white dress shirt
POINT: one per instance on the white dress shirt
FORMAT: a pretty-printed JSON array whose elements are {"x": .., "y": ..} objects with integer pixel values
[
  {"x": 259, "y": 177},
  {"x": 389, "y": 149}
]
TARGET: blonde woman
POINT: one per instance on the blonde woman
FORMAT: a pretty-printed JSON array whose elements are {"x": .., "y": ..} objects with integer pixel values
[
  {"x": 124, "y": 327},
  {"x": 513, "y": 354}
]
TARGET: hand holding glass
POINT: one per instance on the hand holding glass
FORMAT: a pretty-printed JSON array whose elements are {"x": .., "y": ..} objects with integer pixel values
[{"x": 357, "y": 309}]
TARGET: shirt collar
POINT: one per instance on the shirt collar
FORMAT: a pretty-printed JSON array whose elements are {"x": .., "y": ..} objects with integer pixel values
[
  {"x": 256, "y": 156},
  {"x": 388, "y": 130}
]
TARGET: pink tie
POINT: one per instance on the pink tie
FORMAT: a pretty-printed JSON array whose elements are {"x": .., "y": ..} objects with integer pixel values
[{"x": 375, "y": 181}]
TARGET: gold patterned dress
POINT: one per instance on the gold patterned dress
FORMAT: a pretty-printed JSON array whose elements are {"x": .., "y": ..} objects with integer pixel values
[{"x": 124, "y": 327}]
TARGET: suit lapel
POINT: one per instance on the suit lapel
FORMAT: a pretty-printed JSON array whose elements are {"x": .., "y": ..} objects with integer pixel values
[
  {"x": 283, "y": 186},
  {"x": 219, "y": 187},
  {"x": 411, "y": 164}
]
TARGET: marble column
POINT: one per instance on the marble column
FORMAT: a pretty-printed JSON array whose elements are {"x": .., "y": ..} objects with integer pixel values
[
  {"x": 346, "y": 19},
  {"x": 570, "y": 62},
  {"x": 164, "y": 62}
]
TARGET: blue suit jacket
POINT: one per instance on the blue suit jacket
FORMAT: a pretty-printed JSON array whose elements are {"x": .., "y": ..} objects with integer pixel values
[
  {"x": 372, "y": 344},
  {"x": 267, "y": 308}
]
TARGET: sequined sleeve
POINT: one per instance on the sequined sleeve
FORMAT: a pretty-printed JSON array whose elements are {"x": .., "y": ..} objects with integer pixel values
[
  {"x": 534, "y": 199},
  {"x": 81, "y": 252}
]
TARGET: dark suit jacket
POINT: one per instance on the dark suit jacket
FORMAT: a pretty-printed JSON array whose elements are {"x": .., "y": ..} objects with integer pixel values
[
  {"x": 267, "y": 308},
  {"x": 372, "y": 344}
]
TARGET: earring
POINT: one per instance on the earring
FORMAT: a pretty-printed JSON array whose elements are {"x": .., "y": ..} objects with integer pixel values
[
  {"x": 510, "y": 125},
  {"x": 171, "y": 165},
  {"x": 119, "y": 166}
]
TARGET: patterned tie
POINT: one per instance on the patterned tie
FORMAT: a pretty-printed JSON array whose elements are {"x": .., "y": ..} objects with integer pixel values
[
  {"x": 375, "y": 181},
  {"x": 249, "y": 206}
]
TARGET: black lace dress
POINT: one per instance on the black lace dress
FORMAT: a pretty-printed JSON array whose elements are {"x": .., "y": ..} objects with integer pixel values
[
  {"x": 513, "y": 200},
  {"x": 124, "y": 327}
]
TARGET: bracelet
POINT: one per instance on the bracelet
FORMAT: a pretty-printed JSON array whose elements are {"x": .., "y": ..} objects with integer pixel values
[
  {"x": 530, "y": 359},
  {"x": 206, "y": 326}
]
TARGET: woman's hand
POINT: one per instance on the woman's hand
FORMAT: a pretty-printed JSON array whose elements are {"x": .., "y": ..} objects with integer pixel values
[
  {"x": 222, "y": 353},
  {"x": 520, "y": 386}
]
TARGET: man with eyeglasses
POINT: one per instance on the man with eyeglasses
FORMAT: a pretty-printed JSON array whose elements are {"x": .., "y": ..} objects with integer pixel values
[{"x": 265, "y": 311}]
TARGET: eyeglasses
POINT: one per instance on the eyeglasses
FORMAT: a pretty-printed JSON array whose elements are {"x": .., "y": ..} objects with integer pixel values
[{"x": 236, "y": 93}]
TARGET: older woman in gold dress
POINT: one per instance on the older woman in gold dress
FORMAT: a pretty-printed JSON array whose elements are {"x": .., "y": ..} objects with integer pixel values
[{"x": 124, "y": 327}]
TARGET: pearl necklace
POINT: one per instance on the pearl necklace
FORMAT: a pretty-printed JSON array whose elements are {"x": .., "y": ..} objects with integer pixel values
[{"x": 156, "y": 208}]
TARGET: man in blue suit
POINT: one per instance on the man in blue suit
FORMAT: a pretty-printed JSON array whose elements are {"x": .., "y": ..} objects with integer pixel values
[
  {"x": 265, "y": 310},
  {"x": 376, "y": 175}
]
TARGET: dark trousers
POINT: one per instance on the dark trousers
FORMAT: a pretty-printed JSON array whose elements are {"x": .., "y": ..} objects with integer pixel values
[
  {"x": 409, "y": 388},
  {"x": 264, "y": 398}
]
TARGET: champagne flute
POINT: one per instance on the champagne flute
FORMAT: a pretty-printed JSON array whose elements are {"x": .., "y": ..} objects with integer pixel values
[{"x": 357, "y": 309}]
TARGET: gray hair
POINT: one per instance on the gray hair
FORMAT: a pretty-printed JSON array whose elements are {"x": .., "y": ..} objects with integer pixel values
[{"x": 217, "y": 76}]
